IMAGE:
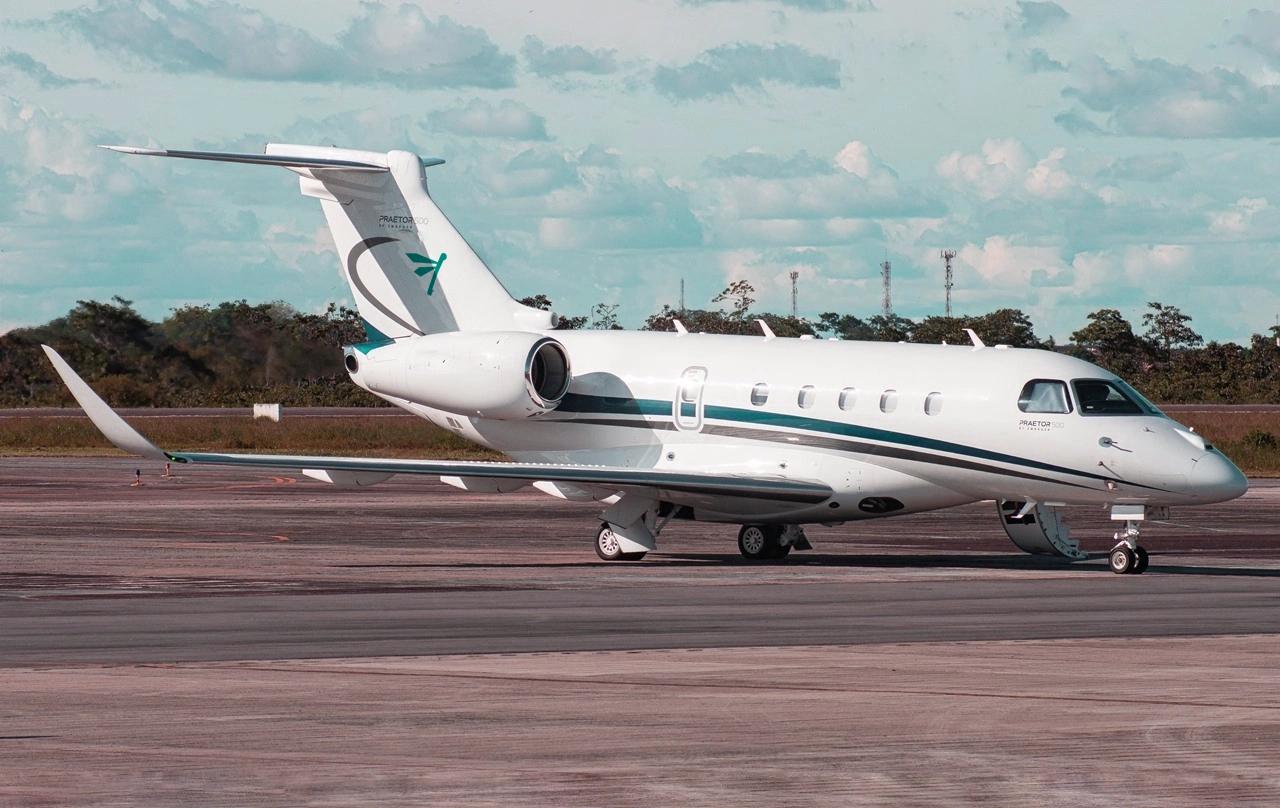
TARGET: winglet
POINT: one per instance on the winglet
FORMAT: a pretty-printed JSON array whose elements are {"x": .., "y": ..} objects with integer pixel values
[
  {"x": 975, "y": 339},
  {"x": 125, "y": 437},
  {"x": 764, "y": 327},
  {"x": 678, "y": 326}
]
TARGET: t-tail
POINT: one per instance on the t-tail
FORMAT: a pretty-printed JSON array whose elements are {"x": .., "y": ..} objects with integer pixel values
[{"x": 410, "y": 271}]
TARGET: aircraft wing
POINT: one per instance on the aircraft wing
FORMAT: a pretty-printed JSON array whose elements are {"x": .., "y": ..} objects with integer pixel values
[{"x": 129, "y": 440}]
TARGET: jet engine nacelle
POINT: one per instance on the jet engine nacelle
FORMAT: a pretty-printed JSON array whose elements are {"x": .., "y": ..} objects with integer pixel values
[{"x": 488, "y": 374}]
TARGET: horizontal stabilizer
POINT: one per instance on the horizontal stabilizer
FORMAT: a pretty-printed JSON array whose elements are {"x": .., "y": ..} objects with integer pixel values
[
  {"x": 285, "y": 160},
  {"x": 111, "y": 425}
]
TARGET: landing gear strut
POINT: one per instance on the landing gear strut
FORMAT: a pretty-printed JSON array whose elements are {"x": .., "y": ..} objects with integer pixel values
[{"x": 1127, "y": 557}]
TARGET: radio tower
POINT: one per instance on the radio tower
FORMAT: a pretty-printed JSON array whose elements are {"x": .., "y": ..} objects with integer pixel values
[
  {"x": 886, "y": 301},
  {"x": 947, "y": 255},
  {"x": 682, "y": 295},
  {"x": 794, "y": 276}
]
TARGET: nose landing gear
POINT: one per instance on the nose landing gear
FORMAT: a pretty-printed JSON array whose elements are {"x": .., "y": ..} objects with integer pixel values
[{"x": 1128, "y": 557}]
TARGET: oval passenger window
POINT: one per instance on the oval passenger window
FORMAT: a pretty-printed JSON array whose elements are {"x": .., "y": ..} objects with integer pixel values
[
  {"x": 759, "y": 394},
  {"x": 889, "y": 401},
  {"x": 933, "y": 404}
]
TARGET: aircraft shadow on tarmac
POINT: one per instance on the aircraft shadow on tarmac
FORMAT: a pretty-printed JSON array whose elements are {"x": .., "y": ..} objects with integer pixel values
[
  {"x": 877, "y": 561},
  {"x": 965, "y": 561}
]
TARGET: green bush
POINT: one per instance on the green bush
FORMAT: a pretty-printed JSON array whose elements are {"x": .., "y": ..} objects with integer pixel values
[{"x": 1260, "y": 439}]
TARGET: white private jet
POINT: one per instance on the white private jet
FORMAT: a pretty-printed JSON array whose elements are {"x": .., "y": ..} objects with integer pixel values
[{"x": 767, "y": 433}]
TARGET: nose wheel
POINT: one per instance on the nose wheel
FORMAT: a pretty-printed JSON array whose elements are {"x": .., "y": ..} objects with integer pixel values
[
  {"x": 1127, "y": 557},
  {"x": 1124, "y": 561}
]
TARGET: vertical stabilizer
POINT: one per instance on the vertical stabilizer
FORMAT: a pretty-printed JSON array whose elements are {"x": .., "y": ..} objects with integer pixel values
[{"x": 411, "y": 272}]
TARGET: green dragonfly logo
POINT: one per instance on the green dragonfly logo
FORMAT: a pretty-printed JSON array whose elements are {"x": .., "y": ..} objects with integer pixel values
[{"x": 427, "y": 265}]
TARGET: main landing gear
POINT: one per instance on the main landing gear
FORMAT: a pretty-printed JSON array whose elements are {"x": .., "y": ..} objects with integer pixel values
[
  {"x": 1127, "y": 557},
  {"x": 609, "y": 548},
  {"x": 764, "y": 542}
]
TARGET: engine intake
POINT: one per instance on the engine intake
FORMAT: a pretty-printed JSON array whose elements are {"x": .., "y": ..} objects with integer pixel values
[
  {"x": 489, "y": 374},
  {"x": 547, "y": 373}
]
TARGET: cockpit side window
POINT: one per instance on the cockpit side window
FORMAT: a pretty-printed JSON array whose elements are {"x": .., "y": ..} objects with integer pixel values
[
  {"x": 1104, "y": 397},
  {"x": 1044, "y": 395}
]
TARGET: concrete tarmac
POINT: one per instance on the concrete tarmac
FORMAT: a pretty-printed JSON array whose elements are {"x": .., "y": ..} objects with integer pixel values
[{"x": 243, "y": 638}]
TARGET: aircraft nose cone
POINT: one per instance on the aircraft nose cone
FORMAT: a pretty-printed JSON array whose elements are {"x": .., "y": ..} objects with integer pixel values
[{"x": 1216, "y": 479}]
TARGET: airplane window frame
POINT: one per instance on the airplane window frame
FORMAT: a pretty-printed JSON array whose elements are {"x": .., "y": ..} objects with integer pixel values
[
  {"x": 1138, "y": 397},
  {"x": 935, "y": 396},
  {"x": 889, "y": 400},
  {"x": 760, "y": 391},
  {"x": 1136, "y": 403},
  {"x": 1024, "y": 400},
  {"x": 847, "y": 398},
  {"x": 806, "y": 397}
]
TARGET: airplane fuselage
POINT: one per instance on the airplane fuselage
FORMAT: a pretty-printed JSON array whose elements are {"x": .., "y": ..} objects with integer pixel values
[{"x": 892, "y": 428}]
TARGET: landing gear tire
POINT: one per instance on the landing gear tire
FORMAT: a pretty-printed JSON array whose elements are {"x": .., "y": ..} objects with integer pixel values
[
  {"x": 1140, "y": 566},
  {"x": 760, "y": 542},
  {"x": 1122, "y": 560},
  {"x": 609, "y": 548}
]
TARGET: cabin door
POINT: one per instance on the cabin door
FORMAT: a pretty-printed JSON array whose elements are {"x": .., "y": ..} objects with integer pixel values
[{"x": 688, "y": 401}]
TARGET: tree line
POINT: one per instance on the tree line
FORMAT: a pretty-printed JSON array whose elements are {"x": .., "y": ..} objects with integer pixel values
[{"x": 236, "y": 353}]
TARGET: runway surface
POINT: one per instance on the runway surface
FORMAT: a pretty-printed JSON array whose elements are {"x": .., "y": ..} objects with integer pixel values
[{"x": 232, "y": 638}]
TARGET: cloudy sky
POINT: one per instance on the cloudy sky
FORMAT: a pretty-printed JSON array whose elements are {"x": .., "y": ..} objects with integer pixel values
[{"x": 1076, "y": 155}]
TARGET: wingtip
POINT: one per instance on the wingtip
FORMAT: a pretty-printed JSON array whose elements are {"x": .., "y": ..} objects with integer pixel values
[
  {"x": 130, "y": 149},
  {"x": 107, "y": 420}
]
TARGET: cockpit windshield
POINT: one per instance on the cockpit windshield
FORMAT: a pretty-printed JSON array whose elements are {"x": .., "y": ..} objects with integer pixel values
[
  {"x": 1142, "y": 400},
  {"x": 1111, "y": 397}
]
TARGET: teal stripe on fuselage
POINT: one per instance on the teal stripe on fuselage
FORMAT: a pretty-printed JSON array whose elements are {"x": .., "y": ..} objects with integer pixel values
[
  {"x": 613, "y": 405},
  {"x": 628, "y": 406}
]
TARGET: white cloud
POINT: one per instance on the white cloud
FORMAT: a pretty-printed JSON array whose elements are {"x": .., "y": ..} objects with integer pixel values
[
  {"x": 506, "y": 119},
  {"x": 1005, "y": 168},
  {"x": 1047, "y": 177},
  {"x": 858, "y": 159},
  {"x": 616, "y": 208},
  {"x": 770, "y": 275},
  {"x": 1000, "y": 261},
  {"x": 1001, "y": 165},
  {"x": 726, "y": 69},
  {"x": 395, "y": 44},
  {"x": 1159, "y": 98},
  {"x": 1158, "y": 264},
  {"x": 1236, "y": 219}
]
